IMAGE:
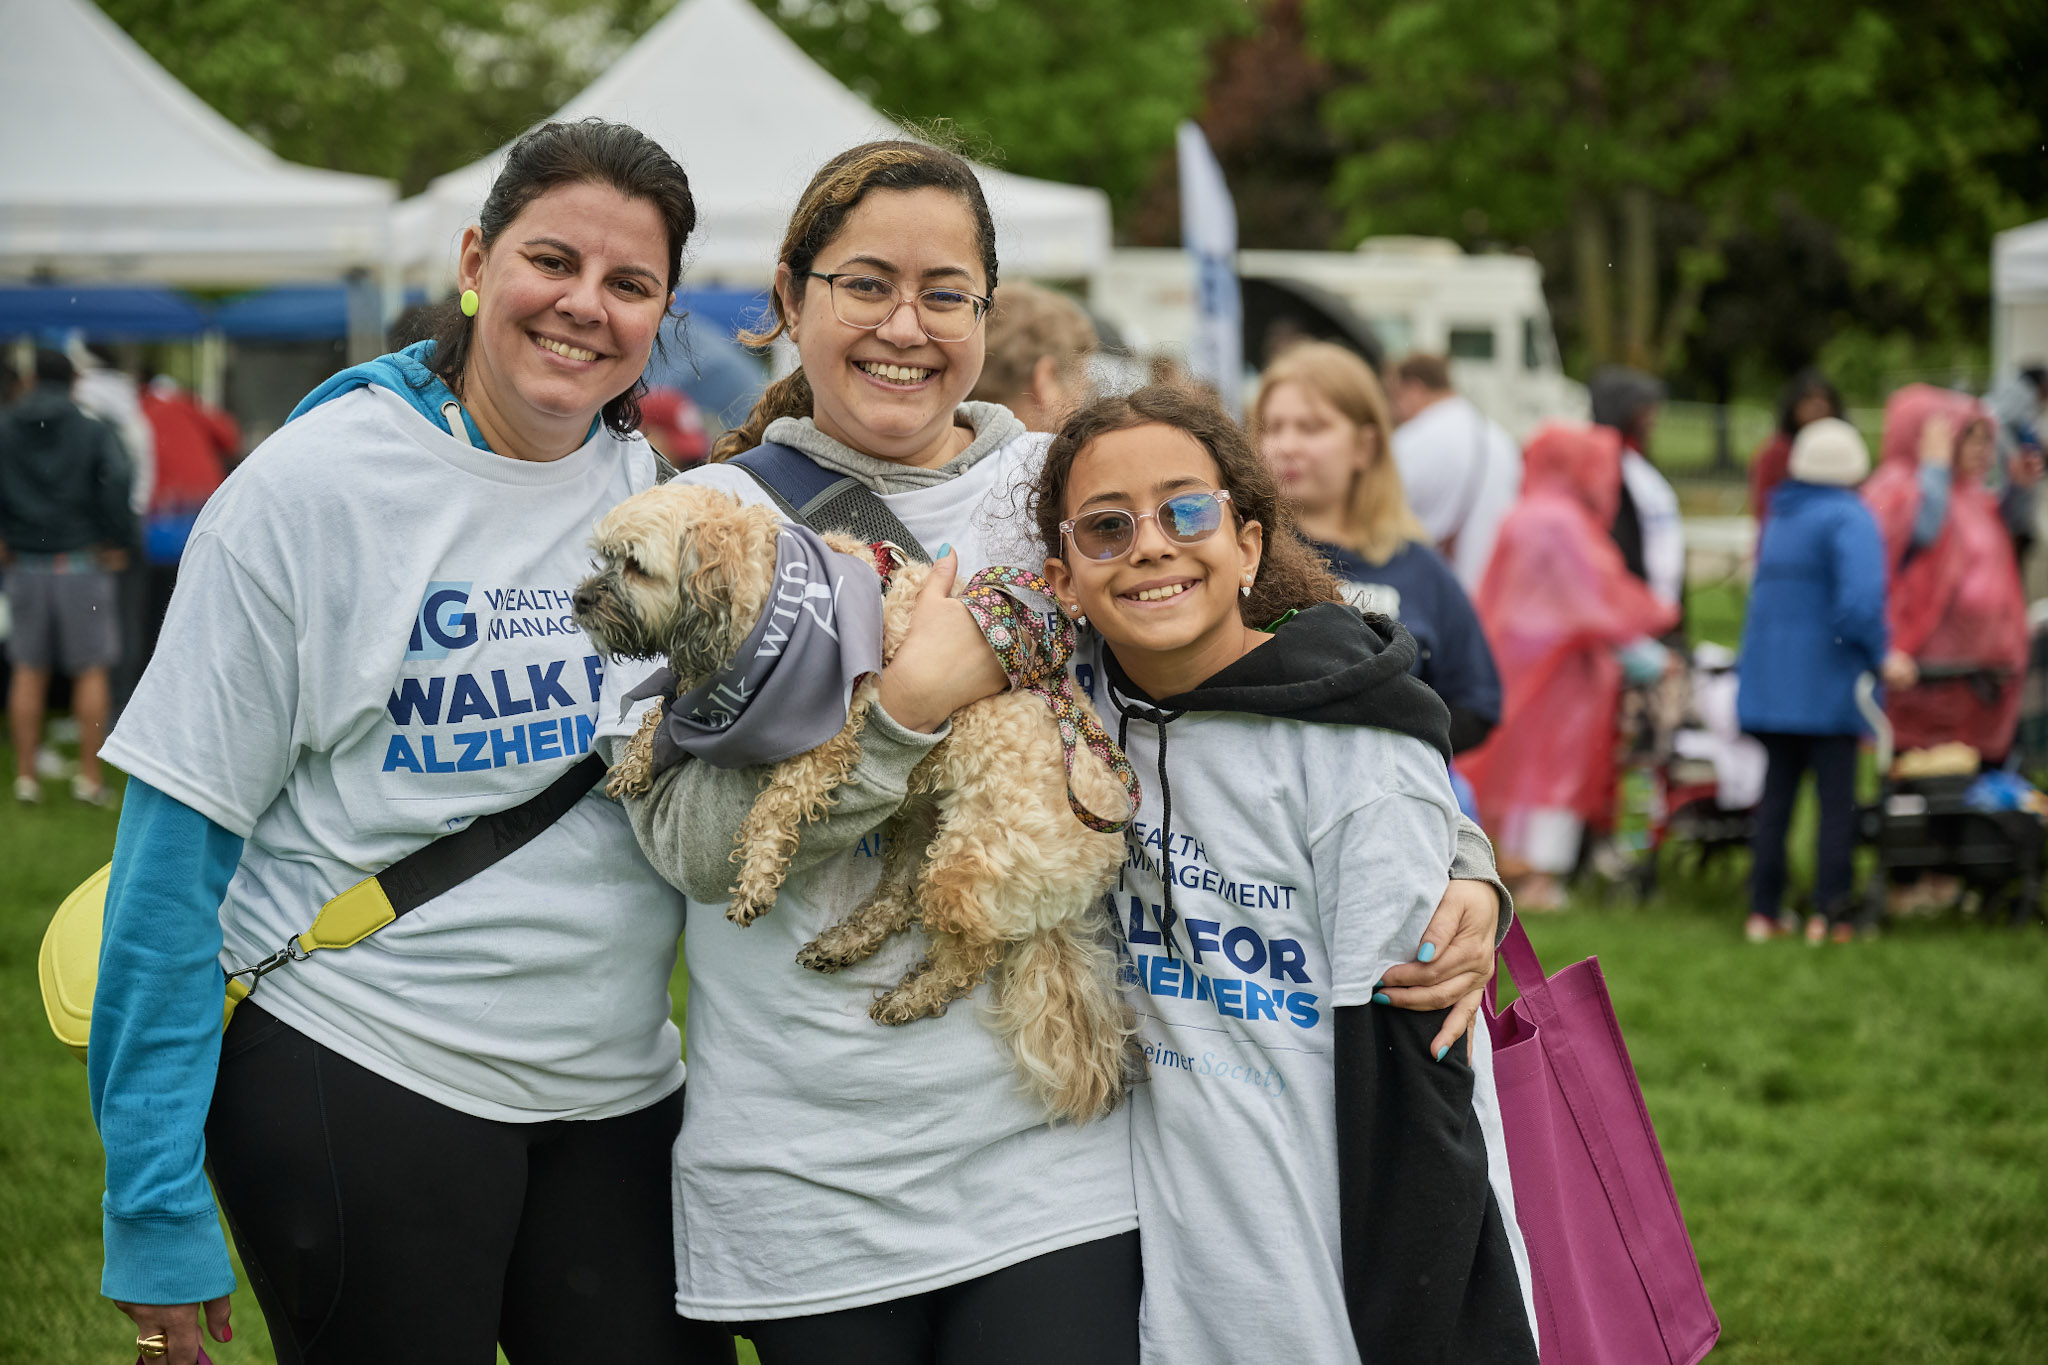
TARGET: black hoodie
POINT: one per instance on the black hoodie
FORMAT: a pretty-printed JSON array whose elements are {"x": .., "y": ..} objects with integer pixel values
[
  {"x": 1428, "y": 1271},
  {"x": 64, "y": 478}
]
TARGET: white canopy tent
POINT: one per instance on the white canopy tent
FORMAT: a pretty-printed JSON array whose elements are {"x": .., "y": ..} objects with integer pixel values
[
  {"x": 113, "y": 171},
  {"x": 2019, "y": 297},
  {"x": 751, "y": 117}
]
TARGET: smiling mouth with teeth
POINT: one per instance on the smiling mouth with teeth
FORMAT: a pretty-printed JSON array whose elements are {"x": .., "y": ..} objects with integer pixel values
[
  {"x": 895, "y": 374},
  {"x": 563, "y": 348},
  {"x": 1160, "y": 594}
]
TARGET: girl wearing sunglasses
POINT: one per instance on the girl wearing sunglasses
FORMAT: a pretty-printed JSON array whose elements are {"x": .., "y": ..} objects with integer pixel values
[{"x": 1318, "y": 1177}]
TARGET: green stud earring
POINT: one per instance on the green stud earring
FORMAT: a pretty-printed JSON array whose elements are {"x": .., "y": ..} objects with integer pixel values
[{"x": 469, "y": 302}]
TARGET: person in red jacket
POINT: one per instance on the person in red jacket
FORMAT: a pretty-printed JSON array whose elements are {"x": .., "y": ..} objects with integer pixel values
[
  {"x": 1808, "y": 398},
  {"x": 196, "y": 445},
  {"x": 1566, "y": 621},
  {"x": 1955, "y": 597}
]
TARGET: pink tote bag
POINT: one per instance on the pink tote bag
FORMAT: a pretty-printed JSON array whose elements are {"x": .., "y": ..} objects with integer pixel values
[{"x": 1615, "y": 1278}]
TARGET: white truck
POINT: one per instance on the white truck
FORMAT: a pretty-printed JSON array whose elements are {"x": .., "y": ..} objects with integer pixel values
[{"x": 1485, "y": 312}]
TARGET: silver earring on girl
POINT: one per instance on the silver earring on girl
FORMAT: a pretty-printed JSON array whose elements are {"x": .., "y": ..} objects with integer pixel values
[
  {"x": 1079, "y": 618},
  {"x": 1246, "y": 590}
]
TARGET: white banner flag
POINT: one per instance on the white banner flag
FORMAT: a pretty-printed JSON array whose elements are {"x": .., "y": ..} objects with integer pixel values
[{"x": 1208, "y": 230}]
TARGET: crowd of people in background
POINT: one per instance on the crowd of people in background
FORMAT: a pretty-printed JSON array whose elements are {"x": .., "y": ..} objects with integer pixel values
[
  {"x": 102, "y": 474},
  {"x": 1540, "y": 584}
]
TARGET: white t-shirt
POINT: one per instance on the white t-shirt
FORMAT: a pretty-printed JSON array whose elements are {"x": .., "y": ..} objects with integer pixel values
[
  {"x": 1462, "y": 474},
  {"x": 1307, "y": 860},
  {"x": 370, "y": 644},
  {"x": 826, "y": 1161},
  {"x": 1663, "y": 531}
]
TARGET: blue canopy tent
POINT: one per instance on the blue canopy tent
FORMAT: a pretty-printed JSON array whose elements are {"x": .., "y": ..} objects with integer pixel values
[{"x": 102, "y": 314}]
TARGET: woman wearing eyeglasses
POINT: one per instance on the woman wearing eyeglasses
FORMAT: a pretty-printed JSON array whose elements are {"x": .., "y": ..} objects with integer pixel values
[{"x": 845, "y": 1191}]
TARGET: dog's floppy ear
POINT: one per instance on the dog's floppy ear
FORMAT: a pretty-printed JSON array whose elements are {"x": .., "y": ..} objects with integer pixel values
[{"x": 725, "y": 567}]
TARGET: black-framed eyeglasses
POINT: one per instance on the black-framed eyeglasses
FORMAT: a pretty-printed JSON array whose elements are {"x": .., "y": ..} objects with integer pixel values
[
  {"x": 868, "y": 301},
  {"x": 1106, "y": 533}
]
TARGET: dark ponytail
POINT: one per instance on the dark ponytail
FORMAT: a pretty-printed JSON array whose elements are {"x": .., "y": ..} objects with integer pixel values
[
  {"x": 555, "y": 154},
  {"x": 831, "y": 196}
]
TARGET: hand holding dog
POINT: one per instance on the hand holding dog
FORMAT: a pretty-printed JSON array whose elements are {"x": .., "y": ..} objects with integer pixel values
[
  {"x": 1454, "y": 963},
  {"x": 945, "y": 662}
]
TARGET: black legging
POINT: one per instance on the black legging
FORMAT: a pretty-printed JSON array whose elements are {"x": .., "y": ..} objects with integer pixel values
[
  {"x": 1073, "y": 1307},
  {"x": 378, "y": 1225},
  {"x": 1833, "y": 760}
]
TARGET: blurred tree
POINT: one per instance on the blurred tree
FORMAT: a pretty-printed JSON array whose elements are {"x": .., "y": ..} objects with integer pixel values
[
  {"x": 1074, "y": 90},
  {"x": 1650, "y": 135},
  {"x": 1260, "y": 112},
  {"x": 400, "y": 88}
]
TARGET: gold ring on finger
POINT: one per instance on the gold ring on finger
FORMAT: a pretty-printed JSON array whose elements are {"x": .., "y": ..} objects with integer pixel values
[{"x": 153, "y": 1345}]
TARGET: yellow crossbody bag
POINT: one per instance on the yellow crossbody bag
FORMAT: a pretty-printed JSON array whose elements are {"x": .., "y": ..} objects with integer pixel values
[{"x": 68, "y": 965}]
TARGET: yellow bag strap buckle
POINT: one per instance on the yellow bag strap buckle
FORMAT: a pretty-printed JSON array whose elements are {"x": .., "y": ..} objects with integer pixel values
[{"x": 343, "y": 922}]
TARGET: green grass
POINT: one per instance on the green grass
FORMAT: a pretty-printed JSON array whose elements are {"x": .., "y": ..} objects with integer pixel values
[{"x": 1857, "y": 1134}]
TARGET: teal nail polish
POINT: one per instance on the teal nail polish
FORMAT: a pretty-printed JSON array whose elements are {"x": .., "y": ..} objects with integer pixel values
[
  {"x": 1380, "y": 998},
  {"x": 1442, "y": 1050},
  {"x": 1428, "y": 953},
  {"x": 1379, "y": 985},
  {"x": 945, "y": 549}
]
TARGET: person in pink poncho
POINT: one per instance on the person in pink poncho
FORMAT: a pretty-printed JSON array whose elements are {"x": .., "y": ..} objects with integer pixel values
[
  {"x": 1567, "y": 622},
  {"x": 1955, "y": 598}
]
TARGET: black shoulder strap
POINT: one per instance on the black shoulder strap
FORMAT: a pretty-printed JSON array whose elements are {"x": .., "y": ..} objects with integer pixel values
[
  {"x": 425, "y": 873},
  {"x": 824, "y": 501},
  {"x": 453, "y": 859}
]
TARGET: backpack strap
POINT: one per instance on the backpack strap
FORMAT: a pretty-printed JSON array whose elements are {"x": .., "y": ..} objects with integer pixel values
[{"x": 816, "y": 497}]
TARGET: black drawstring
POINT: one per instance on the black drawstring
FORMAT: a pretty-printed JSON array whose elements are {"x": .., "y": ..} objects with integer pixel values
[{"x": 1160, "y": 720}]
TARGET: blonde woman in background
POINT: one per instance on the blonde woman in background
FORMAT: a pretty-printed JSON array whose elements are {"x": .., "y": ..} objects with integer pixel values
[
  {"x": 1322, "y": 422},
  {"x": 1039, "y": 342}
]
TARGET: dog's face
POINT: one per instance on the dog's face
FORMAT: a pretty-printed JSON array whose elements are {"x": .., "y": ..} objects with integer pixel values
[{"x": 683, "y": 574}]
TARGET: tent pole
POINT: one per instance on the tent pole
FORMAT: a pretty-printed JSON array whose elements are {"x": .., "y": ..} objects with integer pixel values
[{"x": 210, "y": 365}]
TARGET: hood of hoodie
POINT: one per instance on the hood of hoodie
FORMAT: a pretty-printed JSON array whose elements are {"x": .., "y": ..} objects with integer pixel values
[
  {"x": 1907, "y": 413},
  {"x": 1580, "y": 461},
  {"x": 407, "y": 374},
  {"x": 1325, "y": 666}
]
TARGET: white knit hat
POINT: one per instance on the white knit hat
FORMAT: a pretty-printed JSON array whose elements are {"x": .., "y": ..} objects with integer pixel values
[{"x": 1829, "y": 451}]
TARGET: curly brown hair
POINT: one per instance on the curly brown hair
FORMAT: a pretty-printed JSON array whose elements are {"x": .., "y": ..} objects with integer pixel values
[{"x": 1290, "y": 575}]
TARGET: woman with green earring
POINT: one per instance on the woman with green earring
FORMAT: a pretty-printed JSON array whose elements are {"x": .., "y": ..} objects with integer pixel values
[{"x": 456, "y": 1132}]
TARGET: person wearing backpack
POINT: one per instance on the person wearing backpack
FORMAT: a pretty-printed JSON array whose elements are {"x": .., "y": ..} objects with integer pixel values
[{"x": 959, "y": 1224}]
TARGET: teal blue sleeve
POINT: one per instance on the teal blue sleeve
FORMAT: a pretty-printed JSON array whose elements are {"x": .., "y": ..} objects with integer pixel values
[{"x": 155, "y": 1048}]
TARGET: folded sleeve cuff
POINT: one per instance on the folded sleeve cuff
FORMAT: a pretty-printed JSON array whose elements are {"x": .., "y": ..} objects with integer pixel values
[
  {"x": 1473, "y": 862},
  {"x": 165, "y": 1260}
]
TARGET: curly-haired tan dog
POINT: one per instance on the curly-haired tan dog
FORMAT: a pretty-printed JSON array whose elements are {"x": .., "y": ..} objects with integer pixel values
[{"x": 986, "y": 853}]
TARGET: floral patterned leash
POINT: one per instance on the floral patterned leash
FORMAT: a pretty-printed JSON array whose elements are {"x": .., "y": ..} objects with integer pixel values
[{"x": 1034, "y": 651}]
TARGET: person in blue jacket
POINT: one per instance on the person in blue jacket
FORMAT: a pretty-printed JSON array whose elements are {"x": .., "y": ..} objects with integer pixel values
[{"x": 1816, "y": 621}]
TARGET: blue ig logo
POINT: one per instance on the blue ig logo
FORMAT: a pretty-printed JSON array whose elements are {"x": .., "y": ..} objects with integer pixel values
[{"x": 442, "y": 624}]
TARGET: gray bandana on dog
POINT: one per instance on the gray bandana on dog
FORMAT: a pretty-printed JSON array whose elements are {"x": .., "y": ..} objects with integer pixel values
[{"x": 788, "y": 688}]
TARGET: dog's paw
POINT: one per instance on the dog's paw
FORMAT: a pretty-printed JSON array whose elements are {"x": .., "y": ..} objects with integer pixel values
[
  {"x": 905, "y": 1005},
  {"x": 633, "y": 774},
  {"x": 818, "y": 956},
  {"x": 744, "y": 912}
]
